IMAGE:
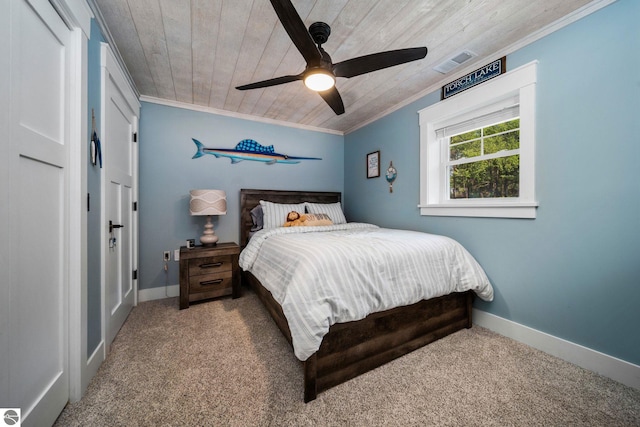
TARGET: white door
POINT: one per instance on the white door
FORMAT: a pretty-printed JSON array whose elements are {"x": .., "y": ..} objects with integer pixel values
[
  {"x": 36, "y": 364},
  {"x": 119, "y": 125}
]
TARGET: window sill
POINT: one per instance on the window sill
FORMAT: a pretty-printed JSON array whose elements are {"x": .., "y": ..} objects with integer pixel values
[{"x": 493, "y": 210}]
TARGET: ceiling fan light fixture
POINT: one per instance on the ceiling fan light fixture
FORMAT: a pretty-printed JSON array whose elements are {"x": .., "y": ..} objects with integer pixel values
[
  {"x": 320, "y": 72},
  {"x": 319, "y": 80}
]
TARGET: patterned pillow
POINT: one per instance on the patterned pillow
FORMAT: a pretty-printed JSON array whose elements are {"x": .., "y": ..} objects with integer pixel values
[
  {"x": 317, "y": 219},
  {"x": 334, "y": 210},
  {"x": 275, "y": 214}
]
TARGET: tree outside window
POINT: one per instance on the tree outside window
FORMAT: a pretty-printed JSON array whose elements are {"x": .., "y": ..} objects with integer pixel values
[{"x": 485, "y": 162}]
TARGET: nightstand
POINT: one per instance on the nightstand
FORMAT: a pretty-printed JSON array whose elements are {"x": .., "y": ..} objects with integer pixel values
[{"x": 209, "y": 272}]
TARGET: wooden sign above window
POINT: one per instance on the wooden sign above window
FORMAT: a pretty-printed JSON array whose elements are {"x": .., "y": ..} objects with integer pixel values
[{"x": 482, "y": 74}]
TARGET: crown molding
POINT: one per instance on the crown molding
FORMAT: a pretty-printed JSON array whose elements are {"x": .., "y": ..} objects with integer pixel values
[{"x": 210, "y": 110}]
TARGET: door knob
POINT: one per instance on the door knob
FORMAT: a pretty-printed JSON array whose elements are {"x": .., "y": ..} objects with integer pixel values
[{"x": 112, "y": 226}]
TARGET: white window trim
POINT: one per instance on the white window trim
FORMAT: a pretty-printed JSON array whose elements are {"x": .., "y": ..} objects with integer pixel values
[{"x": 518, "y": 86}]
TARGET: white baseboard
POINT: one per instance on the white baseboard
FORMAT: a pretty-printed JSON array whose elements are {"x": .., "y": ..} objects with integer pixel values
[
  {"x": 609, "y": 366},
  {"x": 158, "y": 293},
  {"x": 93, "y": 364},
  {"x": 95, "y": 360}
]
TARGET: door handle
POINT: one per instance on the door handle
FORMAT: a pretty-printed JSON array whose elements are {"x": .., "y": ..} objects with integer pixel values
[{"x": 112, "y": 226}]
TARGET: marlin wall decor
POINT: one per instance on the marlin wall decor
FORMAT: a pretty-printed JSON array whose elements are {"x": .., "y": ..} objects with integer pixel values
[{"x": 248, "y": 149}]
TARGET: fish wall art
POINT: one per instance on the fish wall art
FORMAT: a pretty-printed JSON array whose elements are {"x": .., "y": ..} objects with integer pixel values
[{"x": 248, "y": 149}]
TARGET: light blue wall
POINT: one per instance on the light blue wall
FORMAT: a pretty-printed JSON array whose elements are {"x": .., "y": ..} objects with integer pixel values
[
  {"x": 94, "y": 314},
  {"x": 168, "y": 172},
  {"x": 574, "y": 271}
]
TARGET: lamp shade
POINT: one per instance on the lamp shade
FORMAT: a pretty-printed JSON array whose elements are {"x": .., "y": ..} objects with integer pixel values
[{"x": 208, "y": 202}]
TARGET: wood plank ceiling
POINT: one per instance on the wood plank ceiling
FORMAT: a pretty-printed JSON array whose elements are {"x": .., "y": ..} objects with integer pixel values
[{"x": 197, "y": 51}]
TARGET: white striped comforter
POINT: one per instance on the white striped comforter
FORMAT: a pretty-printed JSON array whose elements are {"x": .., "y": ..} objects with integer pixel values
[{"x": 341, "y": 273}]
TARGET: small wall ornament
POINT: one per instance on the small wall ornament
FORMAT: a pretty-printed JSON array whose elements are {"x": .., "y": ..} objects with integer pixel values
[{"x": 391, "y": 175}]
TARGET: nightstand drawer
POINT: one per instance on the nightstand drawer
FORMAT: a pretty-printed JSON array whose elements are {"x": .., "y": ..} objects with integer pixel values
[
  {"x": 211, "y": 282},
  {"x": 210, "y": 265}
]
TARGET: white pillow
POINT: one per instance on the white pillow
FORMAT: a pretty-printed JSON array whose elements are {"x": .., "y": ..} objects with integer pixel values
[
  {"x": 275, "y": 214},
  {"x": 334, "y": 210}
]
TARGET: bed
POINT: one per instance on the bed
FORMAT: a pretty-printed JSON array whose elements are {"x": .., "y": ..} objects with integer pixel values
[{"x": 352, "y": 348}]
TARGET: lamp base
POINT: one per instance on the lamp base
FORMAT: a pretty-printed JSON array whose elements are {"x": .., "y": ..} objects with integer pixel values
[{"x": 209, "y": 238}]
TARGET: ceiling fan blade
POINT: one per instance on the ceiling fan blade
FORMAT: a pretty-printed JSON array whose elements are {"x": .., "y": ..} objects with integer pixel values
[
  {"x": 298, "y": 33},
  {"x": 333, "y": 98},
  {"x": 270, "y": 82},
  {"x": 377, "y": 61}
]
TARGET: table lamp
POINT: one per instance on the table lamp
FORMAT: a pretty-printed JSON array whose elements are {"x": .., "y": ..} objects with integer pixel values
[{"x": 208, "y": 202}]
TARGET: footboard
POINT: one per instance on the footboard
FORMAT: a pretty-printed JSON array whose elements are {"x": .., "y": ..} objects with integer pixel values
[{"x": 353, "y": 348}]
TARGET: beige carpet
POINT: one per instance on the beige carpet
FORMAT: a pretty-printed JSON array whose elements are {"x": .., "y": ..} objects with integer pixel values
[{"x": 224, "y": 363}]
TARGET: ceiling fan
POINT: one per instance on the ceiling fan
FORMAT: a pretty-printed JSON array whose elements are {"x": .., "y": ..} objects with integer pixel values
[{"x": 320, "y": 73}]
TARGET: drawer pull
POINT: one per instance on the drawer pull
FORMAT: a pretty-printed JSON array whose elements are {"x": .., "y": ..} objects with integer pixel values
[
  {"x": 211, "y": 282},
  {"x": 211, "y": 265}
]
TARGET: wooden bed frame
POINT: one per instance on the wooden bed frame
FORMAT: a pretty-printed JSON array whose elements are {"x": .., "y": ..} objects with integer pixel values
[{"x": 353, "y": 348}]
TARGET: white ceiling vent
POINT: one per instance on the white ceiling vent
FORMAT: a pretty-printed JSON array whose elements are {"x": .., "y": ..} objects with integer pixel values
[{"x": 454, "y": 62}]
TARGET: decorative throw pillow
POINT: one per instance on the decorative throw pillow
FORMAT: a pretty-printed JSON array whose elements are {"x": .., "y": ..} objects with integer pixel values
[
  {"x": 317, "y": 219},
  {"x": 275, "y": 214},
  {"x": 256, "y": 218},
  {"x": 334, "y": 210}
]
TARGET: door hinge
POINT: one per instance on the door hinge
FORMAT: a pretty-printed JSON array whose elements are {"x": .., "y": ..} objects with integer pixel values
[
  {"x": 135, "y": 137},
  {"x": 135, "y": 275},
  {"x": 135, "y": 206}
]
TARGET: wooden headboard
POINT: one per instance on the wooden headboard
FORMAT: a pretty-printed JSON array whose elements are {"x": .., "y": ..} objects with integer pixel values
[{"x": 250, "y": 198}]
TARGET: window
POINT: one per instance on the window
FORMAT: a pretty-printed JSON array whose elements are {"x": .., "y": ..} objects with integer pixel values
[
  {"x": 484, "y": 162},
  {"x": 477, "y": 150}
]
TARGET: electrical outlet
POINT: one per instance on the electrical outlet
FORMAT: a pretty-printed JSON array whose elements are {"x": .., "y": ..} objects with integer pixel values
[
  {"x": 176, "y": 255},
  {"x": 167, "y": 256}
]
